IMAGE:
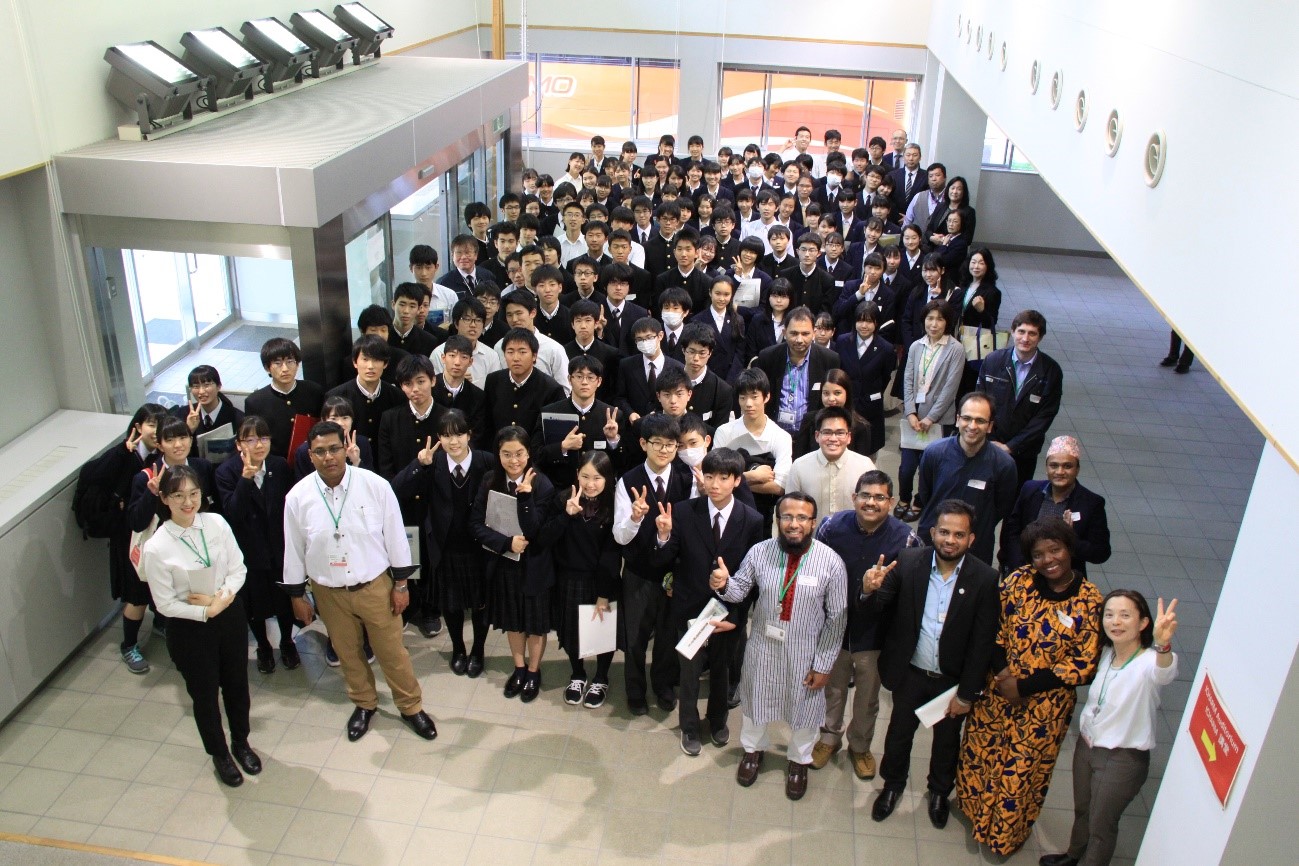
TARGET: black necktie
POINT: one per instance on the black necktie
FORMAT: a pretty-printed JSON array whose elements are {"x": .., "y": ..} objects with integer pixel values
[
  {"x": 511, "y": 487},
  {"x": 672, "y": 341},
  {"x": 459, "y": 475},
  {"x": 469, "y": 282},
  {"x": 651, "y": 377},
  {"x": 717, "y": 528},
  {"x": 617, "y": 323},
  {"x": 660, "y": 489}
]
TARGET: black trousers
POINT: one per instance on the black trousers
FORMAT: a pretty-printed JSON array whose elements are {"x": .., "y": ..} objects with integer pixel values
[
  {"x": 212, "y": 657},
  {"x": 1025, "y": 466},
  {"x": 644, "y": 615},
  {"x": 917, "y": 689},
  {"x": 714, "y": 657}
]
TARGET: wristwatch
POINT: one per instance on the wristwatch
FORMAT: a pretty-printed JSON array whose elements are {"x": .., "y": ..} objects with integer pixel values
[{"x": 400, "y": 587}]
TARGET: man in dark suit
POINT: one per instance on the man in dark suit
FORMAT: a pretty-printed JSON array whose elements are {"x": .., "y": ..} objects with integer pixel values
[
  {"x": 1026, "y": 384},
  {"x": 559, "y": 452},
  {"x": 620, "y": 314},
  {"x": 894, "y": 158},
  {"x": 638, "y": 372},
  {"x": 795, "y": 368},
  {"x": 516, "y": 394},
  {"x": 909, "y": 179},
  {"x": 467, "y": 273},
  {"x": 943, "y": 605},
  {"x": 369, "y": 395},
  {"x": 692, "y": 537}
]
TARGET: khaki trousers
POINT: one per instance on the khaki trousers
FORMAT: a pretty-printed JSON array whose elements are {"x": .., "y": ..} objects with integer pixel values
[
  {"x": 864, "y": 668},
  {"x": 344, "y": 614}
]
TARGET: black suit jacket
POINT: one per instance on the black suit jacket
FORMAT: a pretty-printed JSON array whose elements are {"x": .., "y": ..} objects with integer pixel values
[
  {"x": 401, "y": 436},
  {"x": 903, "y": 194},
  {"x": 562, "y": 468},
  {"x": 619, "y": 334},
  {"x": 713, "y": 400},
  {"x": 969, "y": 633},
  {"x": 1022, "y": 417},
  {"x": 417, "y": 342},
  {"x": 456, "y": 283},
  {"x": 143, "y": 505},
  {"x": 1091, "y": 527},
  {"x": 609, "y": 357},
  {"x": 226, "y": 414},
  {"x": 256, "y": 514},
  {"x": 279, "y": 410},
  {"x": 845, "y": 308},
  {"x": 697, "y": 285},
  {"x": 691, "y": 552},
  {"x": 638, "y": 554},
  {"x": 634, "y": 394},
  {"x": 815, "y": 291},
  {"x": 558, "y": 327},
  {"x": 728, "y": 353},
  {"x": 473, "y": 402},
  {"x": 508, "y": 403},
  {"x": 432, "y": 484},
  {"x": 773, "y": 361},
  {"x": 658, "y": 254},
  {"x": 367, "y": 412}
]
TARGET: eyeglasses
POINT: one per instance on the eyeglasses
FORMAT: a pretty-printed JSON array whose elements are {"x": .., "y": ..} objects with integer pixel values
[
  {"x": 832, "y": 434},
  {"x": 795, "y": 518},
  {"x": 322, "y": 453},
  {"x": 284, "y": 362},
  {"x": 974, "y": 421},
  {"x": 660, "y": 445},
  {"x": 256, "y": 440},
  {"x": 468, "y": 321},
  {"x": 698, "y": 353},
  {"x": 188, "y": 496},
  {"x": 583, "y": 377},
  {"x": 873, "y": 497}
]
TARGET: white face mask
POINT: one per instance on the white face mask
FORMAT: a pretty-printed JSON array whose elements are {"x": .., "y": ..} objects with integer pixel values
[
  {"x": 672, "y": 320},
  {"x": 755, "y": 173},
  {"x": 692, "y": 457},
  {"x": 648, "y": 348},
  {"x": 832, "y": 181}
]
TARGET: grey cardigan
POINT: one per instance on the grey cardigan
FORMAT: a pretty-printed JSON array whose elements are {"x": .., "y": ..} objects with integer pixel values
[{"x": 940, "y": 405}]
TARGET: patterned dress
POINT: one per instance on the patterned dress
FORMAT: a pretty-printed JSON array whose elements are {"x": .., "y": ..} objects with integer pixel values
[{"x": 1008, "y": 752}]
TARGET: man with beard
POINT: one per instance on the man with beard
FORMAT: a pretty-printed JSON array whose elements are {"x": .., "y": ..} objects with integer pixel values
[
  {"x": 943, "y": 609},
  {"x": 798, "y": 624}
]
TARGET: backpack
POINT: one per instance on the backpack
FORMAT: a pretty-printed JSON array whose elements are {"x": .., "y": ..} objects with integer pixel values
[{"x": 96, "y": 503}]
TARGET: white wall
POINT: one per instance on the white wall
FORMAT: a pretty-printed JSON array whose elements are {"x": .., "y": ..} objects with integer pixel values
[
  {"x": 1017, "y": 209},
  {"x": 61, "y": 44}
]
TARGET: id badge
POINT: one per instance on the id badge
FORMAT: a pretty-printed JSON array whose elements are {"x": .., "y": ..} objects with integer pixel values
[
  {"x": 776, "y": 632},
  {"x": 942, "y": 617},
  {"x": 786, "y": 419},
  {"x": 921, "y": 396},
  {"x": 1065, "y": 619},
  {"x": 335, "y": 552}
]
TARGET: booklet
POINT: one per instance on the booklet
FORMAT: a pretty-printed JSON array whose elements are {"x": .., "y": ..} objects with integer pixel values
[
  {"x": 933, "y": 712},
  {"x": 216, "y": 445},
  {"x": 594, "y": 634},
  {"x": 701, "y": 628},
  {"x": 503, "y": 516}
]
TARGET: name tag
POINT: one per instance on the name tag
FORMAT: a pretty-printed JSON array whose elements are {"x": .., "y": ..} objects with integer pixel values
[
  {"x": 1065, "y": 619},
  {"x": 1075, "y": 516},
  {"x": 876, "y": 397},
  {"x": 977, "y": 484},
  {"x": 600, "y": 445},
  {"x": 786, "y": 419},
  {"x": 1035, "y": 398},
  {"x": 921, "y": 397},
  {"x": 776, "y": 632},
  {"x": 839, "y": 283},
  {"x": 808, "y": 580},
  {"x": 816, "y": 386}
]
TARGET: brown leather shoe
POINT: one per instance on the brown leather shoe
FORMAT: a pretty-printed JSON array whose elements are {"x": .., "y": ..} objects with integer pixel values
[
  {"x": 822, "y": 752},
  {"x": 863, "y": 764},
  {"x": 795, "y": 780},
  {"x": 750, "y": 764}
]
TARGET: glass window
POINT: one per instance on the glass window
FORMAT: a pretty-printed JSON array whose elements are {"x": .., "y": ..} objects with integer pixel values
[
  {"x": 367, "y": 268},
  {"x": 819, "y": 102},
  {"x": 419, "y": 219},
  {"x": 657, "y": 88},
  {"x": 744, "y": 104},
  {"x": 1000, "y": 152},
  {"x": 177, "y": 298}
]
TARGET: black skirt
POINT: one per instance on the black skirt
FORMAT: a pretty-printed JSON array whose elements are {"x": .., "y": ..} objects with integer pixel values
[
  {"x": 263, "y": 597},
  {"x": 575, "y": 588},
  {"x": 508, "y": 608},
  {"x": 461, "y": 580},
  {"x": 126, "y": 584}
]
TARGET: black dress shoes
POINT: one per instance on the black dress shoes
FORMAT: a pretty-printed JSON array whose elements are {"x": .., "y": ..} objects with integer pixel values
[
  {"x": 421, "y": 724},
  {"x": 938, "y": 809},
  {"x": 514, "y": 684},
  {"x": 531, "y": 687},
  {"x": 474, "y": 667},
  {"x": 885, "y": 803},
  {"x": 638, "y": 708},
  {"x": 1057, "y": 860},
  {"x": 459, "y": 664},
  {"x": 359, "y": 723},
  {"x": 227, "y": 771},
  {"x": 289, "y": 656},
  {"x": 667, "y": 702},
  {"x": 265, "y": 660},
  {"x": 246, "y": 757}
]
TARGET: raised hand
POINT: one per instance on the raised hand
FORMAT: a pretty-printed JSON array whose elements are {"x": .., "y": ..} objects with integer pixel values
[
  {"x": 425, "y": 455},
  {"x": 719, "y": 576},
  {"x": 874, "y": 576},
  {"x": 611, "y": 431},
  {"x": 154, "y": 479},
  {"x": 133, "y": 438},
  {"x": 1165, "y": 622},
  {"x": 250, "y": 468},
  {"x": 353, "y": 450},
  {"x": 573, "y": 441},
  {"x": 525, "y": 483},
  {"x": 193, "y": 418},
  {"x": 639, "y": 504},
  {"x": 663, "y": 523},
  {"x": 573, "y": 506}
]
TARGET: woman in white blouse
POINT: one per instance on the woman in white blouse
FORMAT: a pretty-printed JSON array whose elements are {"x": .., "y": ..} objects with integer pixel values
[
  {"x": 1112, "y": 757},
  {"x": 194, "y": 569}
]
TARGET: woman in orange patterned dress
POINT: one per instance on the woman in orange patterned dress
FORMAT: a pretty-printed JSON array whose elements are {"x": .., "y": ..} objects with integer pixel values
[{"x": 1047, "y": 645}]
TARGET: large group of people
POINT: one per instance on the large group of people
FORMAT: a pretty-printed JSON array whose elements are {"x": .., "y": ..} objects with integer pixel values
[{"x": 648, "y": 388}]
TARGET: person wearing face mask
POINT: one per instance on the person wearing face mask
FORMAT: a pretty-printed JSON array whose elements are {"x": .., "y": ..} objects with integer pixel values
[
  {"x": 675, "y": 305},
  {"x": 638, "y": 374},
  {"x": 599, "y": 427}
]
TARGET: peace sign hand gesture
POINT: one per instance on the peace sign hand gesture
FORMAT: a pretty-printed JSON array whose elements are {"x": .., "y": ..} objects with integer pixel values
[
  {"x": 525, "y": 483},
  {"x": 1165, "y": 623},
  {"x": 874, "y": 576},
  {"x": 153, "y": 478},
  {"x": 573, "y": 506},
  {"x": 719, "y": 576},
  {"x": 639, "y": 504},
  {"x": 663, "y": 523},
  {"x": 611, "y": 424},
  {"x": 353, "y": 450},
  {"x": 425, "y": 455},
  {"x": 133, "y": 438},
  {"x": 193, "y": 418},
  {"x": 250, "y": 469}
]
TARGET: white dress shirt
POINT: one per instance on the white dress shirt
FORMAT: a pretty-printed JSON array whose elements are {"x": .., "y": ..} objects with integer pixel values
[
  {"x": 1131, "y": 693},
  {"x": 624, "y": 528},
  {"x": 830, "y": 484},
  {"x": 485, "y": 361},
  {"x": 174, "y": 569},
  {"x": 371, "y": 534},
  {"x": 772, "y": 440},
  {"x": 551, "y": 359}
]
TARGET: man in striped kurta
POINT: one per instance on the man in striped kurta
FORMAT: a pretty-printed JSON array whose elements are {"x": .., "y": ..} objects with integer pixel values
[{"x": 797, "y": 629}]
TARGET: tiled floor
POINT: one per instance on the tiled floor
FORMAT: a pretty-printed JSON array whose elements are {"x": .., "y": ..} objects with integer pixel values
[{"x": 105, "y": 757}]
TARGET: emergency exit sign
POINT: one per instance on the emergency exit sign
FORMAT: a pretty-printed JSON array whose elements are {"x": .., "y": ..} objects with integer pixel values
[{"x": 1216, "y": 739}]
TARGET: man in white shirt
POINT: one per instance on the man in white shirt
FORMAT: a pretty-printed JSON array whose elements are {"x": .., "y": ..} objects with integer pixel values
[
  {"x": 767, "y": 204},
  {"x": 572, "y": 243},
  {"x": 521, "y": 312},
  {"x": 829, "y": 474},
  {"x": 757, "y": 434},
  {"x": 343, "y": 532}
]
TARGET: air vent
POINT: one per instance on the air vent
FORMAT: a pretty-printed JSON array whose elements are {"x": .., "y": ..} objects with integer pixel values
[
  {"x": 1080, "y": 110},
  {"x": 1113, "y": 132},
  {"x": 34, "y": 470},
  {"x": 1156, "y": 157},
  {"x": 1034, "y": 76}
]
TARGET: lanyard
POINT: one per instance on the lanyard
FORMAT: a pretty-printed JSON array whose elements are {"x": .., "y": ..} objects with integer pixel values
[
  {"x": 786, "y": 583},
  {"x": 793, "y": 380},
  {"x": 1107, "y": 679},
  {"x": 927, "y": 360},
  {"x": 332, "y": 516},
  {"x": 204, "y": 557}
]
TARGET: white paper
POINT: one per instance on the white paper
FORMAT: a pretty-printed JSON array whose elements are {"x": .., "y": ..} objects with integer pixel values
[
  {"x": 933, "y": 712},
  {"x": 748, "y": 293},
  {"x": 412, "y": 538},
  {"x": 595, "y": 635},
  {"x": 919, "y": 441},
  {"x": 220, "y": 442},
  {"x": 503, "y": 516},
  {"x": 701, "y": 628}
]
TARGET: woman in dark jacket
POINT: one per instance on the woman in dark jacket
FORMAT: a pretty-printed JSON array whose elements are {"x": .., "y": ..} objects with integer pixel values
[
  {"x": 868, "y": 367},
  {"x": 253, "y": 484},
  {"x": 521, "y": 572},
  {"x": 977, "y": 297}
]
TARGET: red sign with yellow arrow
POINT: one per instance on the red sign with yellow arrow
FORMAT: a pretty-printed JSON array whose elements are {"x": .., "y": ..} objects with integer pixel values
[{"x": 1216, "y": 739}]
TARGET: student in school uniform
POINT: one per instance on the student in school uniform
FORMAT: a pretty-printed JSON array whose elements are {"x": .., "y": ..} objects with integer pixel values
[
  {"x": 598, "y": 427},
  {"x": 453, "y": 390},
  {"x": 516, "y": 394},
  {"x": 585, "y": 318},
  {"x": 360, "y": 452},
  {"x": 286, "y": 397},
  {"x": 174, "y": 442},
  {"x": 369, "y": 394},
  {"x": 711, "y": 398},
  {"x": 206, "y": 407}
]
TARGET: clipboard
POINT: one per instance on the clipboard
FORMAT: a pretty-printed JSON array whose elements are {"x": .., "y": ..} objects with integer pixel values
[
  {"x": 596, "y": 635},
  {"x": 557, "y": 425},
  {"x": 302, "y": 425},
  {"x": 216, "y": 445},
  {"x": 503, "y": 516}
]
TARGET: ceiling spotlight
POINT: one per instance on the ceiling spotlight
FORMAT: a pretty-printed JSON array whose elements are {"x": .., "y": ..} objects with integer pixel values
[
  {"x": 232, "y": 70},
  {"x": 153, "y": 83},
  {"x": 322, "y": 33},
  {"x": 367, "y": 27},
  {"x": 287, "y": 56}
]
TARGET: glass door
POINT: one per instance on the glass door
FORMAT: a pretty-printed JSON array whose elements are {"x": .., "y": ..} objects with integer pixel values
[
  {"x": 368, "y": 273},
  {"x": 176, "y": 300}
]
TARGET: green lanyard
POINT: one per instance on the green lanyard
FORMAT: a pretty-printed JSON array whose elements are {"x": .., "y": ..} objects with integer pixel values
[
  {"x": 1107, "y": 679},
  {"x": 927, "y": 358},
  {"x": 204, "y": 557},
  {"x": 332, "y": 516},
  {"x": 786, "y": 583}
]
